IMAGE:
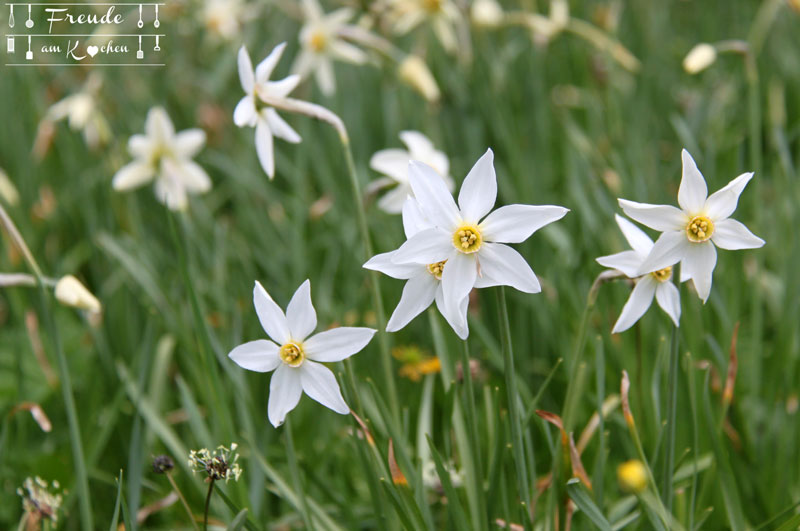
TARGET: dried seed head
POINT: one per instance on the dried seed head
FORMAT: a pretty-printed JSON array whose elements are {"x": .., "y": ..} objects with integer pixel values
[{"x": 162, "y": 464}]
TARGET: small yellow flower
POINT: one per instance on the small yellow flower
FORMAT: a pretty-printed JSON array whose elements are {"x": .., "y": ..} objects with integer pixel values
[{"x": 632, "y": 476}]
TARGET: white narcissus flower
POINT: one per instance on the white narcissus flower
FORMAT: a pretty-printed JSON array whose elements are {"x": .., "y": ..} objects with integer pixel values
[
  {"x": 166, "y": 156},
  {"x": 322, "y": 42},
  {"x": 253, "y": 110},
  {"x": 296, "y": 358},
  {"x": 394, "y": 163},
  {"x": 657, "y": 284},
  {"x": 469, "y": 241},
  {"x": 691, "y": 234},
  {"x": 443, "y": 15},
  {"x": 82, "y": 112},
  {"x": 424, "y": 280}
]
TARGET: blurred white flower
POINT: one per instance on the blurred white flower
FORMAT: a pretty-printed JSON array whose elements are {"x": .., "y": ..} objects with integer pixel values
[
  {"x": 71, "y": 292},
  {"x": 469, "y": 240},
  {"x": 394, "y": 164},
  {"x": 699, "y": 58},
  {"x": 690, "y": 233},
  {"x": 417, "y": 75},
  {"x": 442, "y": 15},
  {"x": 424, "y": 281},
  {"x": 82, "y": 113},
  {"x": 225, "y": 17},
  {"x": 166, "y": 156},
  {"x": 486, "y": 13},
  {"x": 657, "y": 284},
  {"x": 252, "y": 111},
  {"x": 296, "y": 358},
  {"x": 322, "y": 43}
]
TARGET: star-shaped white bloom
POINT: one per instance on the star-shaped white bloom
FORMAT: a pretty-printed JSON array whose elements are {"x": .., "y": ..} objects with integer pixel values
[
  {"x": 394, "y": 164},
  {"x": 166, "y": 156},
  {"x": 657, "y": 284},
  {"x": 469, "y": 241},
  {"x": 255, "y": 110},
  {"x": 82, "y": 112},
  {"x": 296, "y": 358},
  {"x": 690, "y": 234},
  {"x": 424, "y": 281},
  {"x": 322, "y": 42}
]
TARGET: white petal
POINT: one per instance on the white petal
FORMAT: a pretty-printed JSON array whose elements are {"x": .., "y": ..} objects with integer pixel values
[
  {"x": 640, "y": 300},
  {"x": 158, "y": 126},
  {"x": 418, "y": 294},
  {"x": 383, "y": 263},
  {"x": 139, "y": 146},
  {"x": 325, "y": 77},
  {"x": 300, "y": 314},
  {"x": 419, "y": 146},
  {"x": 281, "y": 88},
  {"x": 638, "y": 240},
  {"x": 320, "y": 384},
  {"x": 515, "y": 223},
  {"x": 455, "y": 317},
  {"x": 458, "y": 278},
  {"x": 669, "y": 249},
  {"x": 271, "y": 317},
  {"x": 479, "y": 189},
  {"x": 347, "y": 52},
  {"x": 414, "y": 219},
  {"x": 280, "y": 128},
  {"x": 628, "y": 262},
  {"x": 265, "y": 67},
  {"x": 692, "y": 192},
  {"x": 337, "y": 344},
  {"x": 245, "y": 113},
  {"x": 285, "y": 391},
  {"x": 189, "y": 142},
  {"x": 732, "y": 235},
  {"x": 132, "y": 176},
  {"x": 426, "y": 247},
  {"x": 392, "y": 162},
  {"x": 193, "y": 177},
  {"x": 264, "y": 148},
  {"x": 260, "y": 356},
  {"x": 433, "y": 196},
  {"x": 721, "y": 204},
  {"x": 505, "y": 266},
  {"x": 699, "y": 262},
  {"x": 657, "y": 217},
  {"x": 669, "y": 298},
  {"x": 246, "y": 76},
  {"x": 392, "y": 201},
  {"x": 169, "y": 188}
]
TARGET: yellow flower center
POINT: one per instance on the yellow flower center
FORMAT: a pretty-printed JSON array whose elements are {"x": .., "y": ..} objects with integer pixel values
[
  {"x": 432, "y": 6},
  {"x": 662, "y": 275},
  {"x": 467, "y": 238},
  {"x": 437, "y": 269},
  {"x": 292, "y": 354},
  {"x": 318, "y": 41},
  {"x": 699, "y": 229}
]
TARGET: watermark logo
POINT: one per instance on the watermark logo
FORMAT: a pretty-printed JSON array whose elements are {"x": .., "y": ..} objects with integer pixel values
[{"x": 93, "y": 33}]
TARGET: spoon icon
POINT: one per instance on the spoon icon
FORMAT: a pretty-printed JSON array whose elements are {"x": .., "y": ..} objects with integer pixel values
[
  {"x": 156, "y": 24},
  {"x": 29, "y": 22},
  {"x": 157, "y": 48},
  {"x": 140, "y": 23},
  {"x": 11, "y": 17}
]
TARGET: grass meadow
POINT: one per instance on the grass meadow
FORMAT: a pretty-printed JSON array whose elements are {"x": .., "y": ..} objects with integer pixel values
[{"x": 577, "y": 118}]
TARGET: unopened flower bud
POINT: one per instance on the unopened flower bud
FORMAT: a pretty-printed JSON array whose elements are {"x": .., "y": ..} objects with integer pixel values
[
  {"x": 162, "y": 464},
  {"x": 414, "y": 71},
  {"x": 486, "y": 13},
  {"x": 632, "y": 476},
  {"x": 71, "y": 292},
  {"x": 699, "y": 58}
]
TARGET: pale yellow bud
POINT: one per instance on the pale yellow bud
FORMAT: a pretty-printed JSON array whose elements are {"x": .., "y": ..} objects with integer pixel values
[
  {"x": 8, "y": 192},
  {"x": 699, "y": 58},
  {"x": 486, "y": 13},
  {"x": 414, "y": 71},
  {"x": 632, "y": 476},
  {"x": 71, "y": 292},
  {"x": 559, "y": 13}
]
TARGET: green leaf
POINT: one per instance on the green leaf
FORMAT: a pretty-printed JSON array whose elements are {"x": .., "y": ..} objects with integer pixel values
[
  {"x": 587, "y": 506},
  {"x": 238, "y": 522}
]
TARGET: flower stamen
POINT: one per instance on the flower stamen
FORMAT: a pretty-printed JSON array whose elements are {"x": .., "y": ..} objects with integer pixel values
[
  {"x": 318, "y": 41},
  {"x": 292, "y": 354},
  {"x": 663, "y": 275},
  {"x": 436, "y": 269},
  {"x": 699, "y": 229},
  {"x": 467, "y": 238}
]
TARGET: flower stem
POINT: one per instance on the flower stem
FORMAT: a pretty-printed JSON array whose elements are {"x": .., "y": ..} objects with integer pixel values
[
  {"x": 181, "y": 497},
  {"x": 377, "y": 300},
  {"x": 294, "y": 470},
  {"x": 670, "y": 428},
  {"x": 516, "y": 425},
  {"x": 208, "y": 502},
  {"x": 468, "y": 397}
]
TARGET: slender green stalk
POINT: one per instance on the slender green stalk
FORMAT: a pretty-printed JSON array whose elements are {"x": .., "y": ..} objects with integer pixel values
[
  {"x": 208, "y": 503},
  {"x": 182, "y": 498},
  {"x": 671, "y": 427},
  {"x": 474, "y": 443},
  {"x": 516, "y": 424},
  {"x": 82, "y": 477},
  {"x": 377, "y": 300},
  {"x": 294, "y": 470}
]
